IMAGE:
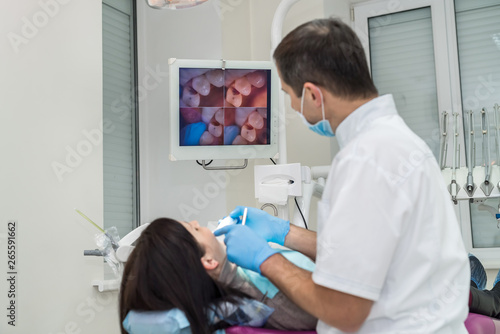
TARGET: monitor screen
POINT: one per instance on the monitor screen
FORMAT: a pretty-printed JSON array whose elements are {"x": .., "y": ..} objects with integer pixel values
[{"x": 216, "y": 111}]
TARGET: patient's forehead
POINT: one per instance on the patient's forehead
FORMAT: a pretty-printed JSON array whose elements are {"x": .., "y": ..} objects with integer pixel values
[
  {"x": 193, "y": 228},
  {"x": 207, "y": 240},
  {"x": 187, "y": 226}
]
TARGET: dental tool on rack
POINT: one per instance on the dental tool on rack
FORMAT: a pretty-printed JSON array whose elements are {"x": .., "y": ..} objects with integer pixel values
[
  {"x": 444, "y": 144},
  {"x": 454, "y": 188},
  {"x": 497, "y": 132},
  {"x": 470, "y": 187},
  {"x": 486, "y": 186},
  {"x": 496, "y": 109},
  {"x": 487, "y": 170}
]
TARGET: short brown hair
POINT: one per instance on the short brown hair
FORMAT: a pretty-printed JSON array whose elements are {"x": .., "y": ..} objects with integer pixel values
[{"x": 328, "y": 53}]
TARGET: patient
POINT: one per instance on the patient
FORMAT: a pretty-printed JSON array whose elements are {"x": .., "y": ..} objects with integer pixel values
[
  {"x": 182, "y": 265},
  {"x": 482, "y": 301}
]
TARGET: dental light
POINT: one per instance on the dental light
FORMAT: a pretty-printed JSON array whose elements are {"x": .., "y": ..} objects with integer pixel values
[{"x": 173, "y": 4}]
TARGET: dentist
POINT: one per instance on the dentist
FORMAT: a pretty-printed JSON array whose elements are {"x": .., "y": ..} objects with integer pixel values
[{"x": 388, "y": 250}]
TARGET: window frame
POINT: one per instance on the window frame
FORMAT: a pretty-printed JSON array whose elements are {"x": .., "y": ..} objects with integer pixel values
[
  {"x": 448, "y": 86},
  {"x": 130, "y": 8}
]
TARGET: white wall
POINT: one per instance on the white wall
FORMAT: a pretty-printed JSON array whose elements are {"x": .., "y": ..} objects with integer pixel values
[
  {"x": 340, "y": 8},
  {"x": 50, "y": 93},
  {"x": 247, "y": 36},
  {"x": 180, "y": 189}
]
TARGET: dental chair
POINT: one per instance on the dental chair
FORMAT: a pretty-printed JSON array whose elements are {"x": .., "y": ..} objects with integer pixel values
[
  {"x": 481, "y": 324},
  {"x": 475, "y": 324},
  {"x": 253, "y": 330}
]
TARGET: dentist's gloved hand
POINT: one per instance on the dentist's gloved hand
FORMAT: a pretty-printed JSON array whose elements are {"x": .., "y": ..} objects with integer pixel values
[
  {"x": 271, "y": 228},
  {"x": 244, "y": 247}
]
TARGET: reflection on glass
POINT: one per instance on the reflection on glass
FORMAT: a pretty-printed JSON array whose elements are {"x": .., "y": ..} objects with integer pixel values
[
  {"x": 173, "y": 4},
  {"x": 485, "y": 232},
  {"x": 396, "y": 41},
  {"x": 479, "y": 57},
  {"x": 224, "y": 107}
]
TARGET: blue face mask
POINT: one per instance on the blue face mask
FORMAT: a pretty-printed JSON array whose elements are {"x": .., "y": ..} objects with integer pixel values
[{"x": 323, "y": 127}]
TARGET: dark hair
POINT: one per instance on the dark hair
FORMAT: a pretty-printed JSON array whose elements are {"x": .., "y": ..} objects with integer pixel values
[
  {"x": 164, "y": 271},
  {"x": 328, "y": 53}
]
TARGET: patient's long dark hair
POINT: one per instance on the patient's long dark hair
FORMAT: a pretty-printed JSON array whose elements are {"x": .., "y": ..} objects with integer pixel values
[{"x": 165, "y": 271}]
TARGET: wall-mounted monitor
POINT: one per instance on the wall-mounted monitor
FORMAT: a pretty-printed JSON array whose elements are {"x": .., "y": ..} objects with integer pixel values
[{"x": 223, "y": 109}]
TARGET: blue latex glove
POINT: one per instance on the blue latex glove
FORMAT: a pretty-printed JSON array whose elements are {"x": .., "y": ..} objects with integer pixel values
[
  {"x": 271, "y": 228},
  {"x": 244, "y": 247}
]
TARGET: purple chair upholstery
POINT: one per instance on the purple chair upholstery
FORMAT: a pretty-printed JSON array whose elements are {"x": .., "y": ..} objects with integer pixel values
[
  {"x": 253, "y": 330},
  {"x": 481, "y": 324},
  {"x": 475, "y": 324}
]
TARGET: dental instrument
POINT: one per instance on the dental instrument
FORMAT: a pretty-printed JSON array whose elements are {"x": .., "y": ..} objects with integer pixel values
[
  {"x": 496, "y": 109},
  {"x": 497, "y": 132},
  {"x": 444, "y": 144},
  {"x": 486, "y": 186},
  {"x": 470, "y": 187},
  {"x": 454, "y": 188},
  {"x": 244, "y": 216},
  {"x": 114, "y": 244},
  {"x": 226, "y": 221},
  {"x": 89, "y": 220}
]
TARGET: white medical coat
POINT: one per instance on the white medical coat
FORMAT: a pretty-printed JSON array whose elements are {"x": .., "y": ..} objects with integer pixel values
[{"x": 387, "y": 230}]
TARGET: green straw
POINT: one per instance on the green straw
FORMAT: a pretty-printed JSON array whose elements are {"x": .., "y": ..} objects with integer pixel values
[{"x": 90, "y": 221}]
